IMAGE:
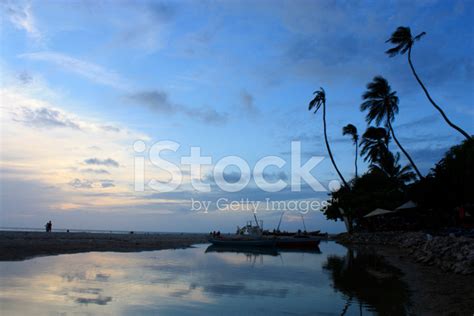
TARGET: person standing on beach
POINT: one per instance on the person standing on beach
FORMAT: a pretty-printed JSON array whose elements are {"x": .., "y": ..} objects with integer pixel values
[{"x": 49, "y": 227}]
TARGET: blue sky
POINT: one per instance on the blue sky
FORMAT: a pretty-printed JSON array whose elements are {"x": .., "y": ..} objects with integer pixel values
[{"x": 83, "y": 80}]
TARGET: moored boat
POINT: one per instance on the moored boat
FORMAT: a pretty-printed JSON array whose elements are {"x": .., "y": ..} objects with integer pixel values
[
  {"x": 296, "y": 242},
  {"x": 243, "y": 241}
]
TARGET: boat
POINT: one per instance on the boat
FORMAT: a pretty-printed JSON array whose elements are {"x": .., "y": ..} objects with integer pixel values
[
  {"x": 242, "y": 242},
  {"x": 297, "y": 242},
  {"x": 248, "y": 236},
  {"x": 254, "y": 236}
]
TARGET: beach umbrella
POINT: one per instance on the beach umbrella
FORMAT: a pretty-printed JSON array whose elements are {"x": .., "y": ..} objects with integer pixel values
[
  {"x": 377, "y": 212},
  {"x": 406, "y": 206}
]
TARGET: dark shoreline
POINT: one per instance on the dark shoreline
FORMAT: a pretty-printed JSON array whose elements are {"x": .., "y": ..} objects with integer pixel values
[
  {"x": 429, "y": 268},
  {"x": 16, "y": 246}
]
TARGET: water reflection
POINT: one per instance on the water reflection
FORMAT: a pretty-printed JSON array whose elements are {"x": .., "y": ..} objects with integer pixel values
[
  {"x": 366, "y": 279},
  {"x": 201, "y": 280}
]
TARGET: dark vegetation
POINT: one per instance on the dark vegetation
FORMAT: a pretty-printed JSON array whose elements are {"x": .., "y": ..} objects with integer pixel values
[{"x": 387, "y": 184}]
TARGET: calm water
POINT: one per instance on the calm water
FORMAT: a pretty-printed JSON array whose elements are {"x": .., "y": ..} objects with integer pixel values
[{"x": 334, "y": 281}]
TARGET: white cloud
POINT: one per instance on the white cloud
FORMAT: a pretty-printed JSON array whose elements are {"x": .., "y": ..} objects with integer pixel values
[
  {"x": 21, "y": 16},
  {"x": 88, "y": 70}
]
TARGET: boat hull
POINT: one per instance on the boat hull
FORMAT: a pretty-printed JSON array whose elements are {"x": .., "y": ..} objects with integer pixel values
[
  {"x": 297, "y": 243},
  {"x": 242, "y": 242}
]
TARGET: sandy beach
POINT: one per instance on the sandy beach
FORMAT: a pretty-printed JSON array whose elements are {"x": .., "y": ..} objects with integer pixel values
[{"x": 24, "y": 245}]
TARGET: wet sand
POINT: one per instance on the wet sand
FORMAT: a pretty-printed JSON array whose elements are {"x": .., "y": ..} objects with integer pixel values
[
  {"x": 24, "y": 245},
  {"x": 433, "y": 291}
]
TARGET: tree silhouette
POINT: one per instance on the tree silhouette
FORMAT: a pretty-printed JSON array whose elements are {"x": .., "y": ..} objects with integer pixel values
[
  {"x": 374, "y": 143},
  {"x": 351, "y": 130},
  {"x": 319, "y": 101},
  {"x": 382, "y": 105},
  {"x": 403, "y": 41},
  {"x": 389, "y": 164}
]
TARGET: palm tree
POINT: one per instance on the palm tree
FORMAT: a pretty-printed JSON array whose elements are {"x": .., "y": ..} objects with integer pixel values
[
  {"x": 404, "y": 41},
  {"x": 351, "y": 130},
  {"x": 374, "y": 143},
  {"x": 389, "y": 165},
  {"x": 319, "y": 101},
  {"x": 382, "y": 105}
]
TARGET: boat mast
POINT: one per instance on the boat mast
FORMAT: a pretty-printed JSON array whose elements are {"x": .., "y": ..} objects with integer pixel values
[
  {"x": 304, "y": 225},
  {"x": 256, "y": 221},
  {"x": 279, "y": 223}
]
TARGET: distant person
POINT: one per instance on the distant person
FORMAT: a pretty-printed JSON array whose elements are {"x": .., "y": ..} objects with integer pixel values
[{"x": 49, "y": 226}]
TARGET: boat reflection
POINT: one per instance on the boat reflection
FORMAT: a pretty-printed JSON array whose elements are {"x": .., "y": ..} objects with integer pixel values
[
  {"x": 269, "y": 251},
  {"x": 364, "y": 278}
]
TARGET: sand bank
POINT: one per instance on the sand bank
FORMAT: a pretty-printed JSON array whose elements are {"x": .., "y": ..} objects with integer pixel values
[{"x": 24, "y": 245}]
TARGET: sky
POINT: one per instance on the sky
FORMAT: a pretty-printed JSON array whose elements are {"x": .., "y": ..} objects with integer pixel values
[{"x": 82, "y": 81}]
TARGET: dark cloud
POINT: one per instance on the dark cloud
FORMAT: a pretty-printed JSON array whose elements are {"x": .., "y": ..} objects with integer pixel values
[
  {"x": 44, "y": 117},
  {"x": 81, "y": 184},
  {"x": 206, "y": 115},
  {"x": 102, "y": 277},
  {"x": 162, "y": 12},
  {"x": 89, "y": 290},
  {"x": 89, "y": 184},
  {"x": 160, "y": 102},
  {"x": 110, "y": 128},
  {"x": 275, "y": 176},
  {"x": 107, "y": 183},
  {"x": 424, "y": 121},
  {"x": 95, "y": 171},
  {"x": 100, "y": 300},
  {"x": 103, "y": 162},
  {"x": 25, "y": 77},
  {"x": 247, "y": 103},
  {"x": 156, "y": 100}
]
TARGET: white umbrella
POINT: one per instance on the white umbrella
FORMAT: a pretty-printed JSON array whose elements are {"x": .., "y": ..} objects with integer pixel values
[
  {"x": 378, "y": 212},
  {"x": 406, "y": 206}
]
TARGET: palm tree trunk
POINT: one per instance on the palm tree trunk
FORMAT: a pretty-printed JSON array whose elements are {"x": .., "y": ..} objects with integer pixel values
[
  {"x": 329, "y": 149},
  {"x": 460, "y": 130},
  {"x": 403, "y": 150},
  {"x": 357, "y": 147}
]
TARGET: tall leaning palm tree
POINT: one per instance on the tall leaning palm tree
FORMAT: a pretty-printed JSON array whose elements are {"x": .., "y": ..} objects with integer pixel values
[
  {"x": 319, "y": 101},
  {"x": 382, "y": 106},
  {"x": 403, "y": 41},
  {"x": 351, "y": 130}
]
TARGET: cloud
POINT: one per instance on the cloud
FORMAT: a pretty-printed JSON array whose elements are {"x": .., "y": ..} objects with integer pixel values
[
  {"x": 21, "y": 16},
  {"x": 81, "y": 184},
  {"x": 104, "y": 162},
  {"x": 424, "y": 121},
  {"x": 89, "y": 184},
  {"x": 155, "y": 99},
  {"x": 100, "y": 300},
  {"x": 25, "y": 77},
  {"x": 88, "y": 70},
  {"x": 110, "y": 128},
  {"x": 206, "y": 115},
  {"x": 45, "y": 117},
  {"x": 95, "y": 171},
  {"x": 247, "y": 103},
  {"x": 149, "y": 32},
  {"x": 107, "y": 183},
  {"x": 159, "y": 101}
]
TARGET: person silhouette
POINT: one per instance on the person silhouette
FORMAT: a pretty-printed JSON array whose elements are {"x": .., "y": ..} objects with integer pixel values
[{"x": 49, "y": 227}]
